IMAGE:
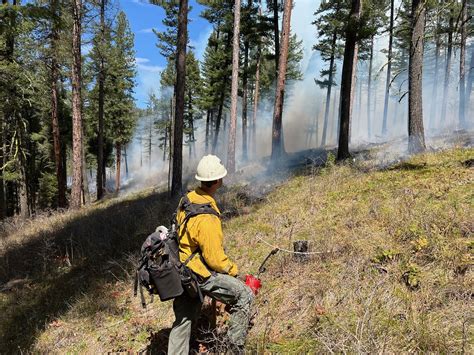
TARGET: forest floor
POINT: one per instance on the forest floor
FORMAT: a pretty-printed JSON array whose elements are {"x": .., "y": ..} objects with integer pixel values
[{"x": 392, "y": 270}]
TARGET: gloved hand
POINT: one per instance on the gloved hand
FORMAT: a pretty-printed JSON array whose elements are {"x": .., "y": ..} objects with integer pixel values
[{"x": 241, "y": 277}]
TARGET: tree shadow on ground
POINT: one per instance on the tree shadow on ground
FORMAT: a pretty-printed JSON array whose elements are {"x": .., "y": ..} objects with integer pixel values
[
  {"x": 92, "y": 243},
  {"x": 76, "y": 259}
]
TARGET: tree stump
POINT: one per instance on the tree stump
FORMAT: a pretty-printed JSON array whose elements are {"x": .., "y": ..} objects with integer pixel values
[{"x": 301, "y": 246}]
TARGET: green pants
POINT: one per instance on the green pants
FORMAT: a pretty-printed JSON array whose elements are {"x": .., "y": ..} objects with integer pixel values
[{"x": 224, "y": 288}]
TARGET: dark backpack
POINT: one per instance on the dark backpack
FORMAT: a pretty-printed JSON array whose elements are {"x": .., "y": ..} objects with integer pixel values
[{"x": 159, "y": 269}]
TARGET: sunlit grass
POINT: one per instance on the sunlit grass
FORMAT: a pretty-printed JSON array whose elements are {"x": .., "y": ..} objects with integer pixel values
[{"x": 393, "y": 273}]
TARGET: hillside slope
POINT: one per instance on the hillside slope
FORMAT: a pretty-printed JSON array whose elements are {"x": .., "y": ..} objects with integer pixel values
[{"x": 391, "y": 269}]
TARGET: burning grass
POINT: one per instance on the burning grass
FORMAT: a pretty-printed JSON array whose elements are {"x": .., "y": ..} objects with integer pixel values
[{"x": 393, "y": 269}]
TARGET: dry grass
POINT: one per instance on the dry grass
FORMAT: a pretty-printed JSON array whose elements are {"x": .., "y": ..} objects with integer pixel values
[{"x": 394, "y": 273}]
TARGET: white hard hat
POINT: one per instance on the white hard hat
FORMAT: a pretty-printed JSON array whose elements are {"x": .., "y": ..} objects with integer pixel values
[{"x": 210, "y": 168}]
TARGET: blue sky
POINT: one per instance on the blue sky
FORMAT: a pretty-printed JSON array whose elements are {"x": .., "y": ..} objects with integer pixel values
[{"x": 143, "y": 17}]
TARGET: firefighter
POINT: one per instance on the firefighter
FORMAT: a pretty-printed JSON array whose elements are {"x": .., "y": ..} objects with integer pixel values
[{"x": 216, "y": 273}]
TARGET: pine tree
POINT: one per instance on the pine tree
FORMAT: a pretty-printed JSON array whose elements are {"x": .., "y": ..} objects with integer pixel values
[
  {"x": 330, "y": 20},
  {"x": 176, "y": 185},
  {"x": 389, "y": 68},
  {"x": 416, "y": 136},
  {"x": 121, "y": 77},
  {"x": 76, "y": 82},
  {"x": 347, "y": 80},
  {"x": 234, "y": 89},
  {"x": 277, "y": 137}
]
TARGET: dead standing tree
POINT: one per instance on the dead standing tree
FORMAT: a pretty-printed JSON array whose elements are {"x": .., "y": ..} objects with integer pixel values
[{"x": 277, "y": 137}]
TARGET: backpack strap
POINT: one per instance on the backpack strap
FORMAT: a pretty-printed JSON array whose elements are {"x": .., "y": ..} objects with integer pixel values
[{"x": 191, "y": 210}]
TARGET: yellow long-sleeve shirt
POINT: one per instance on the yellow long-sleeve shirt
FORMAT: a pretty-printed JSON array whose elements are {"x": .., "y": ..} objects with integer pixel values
[{"x": 204, "y": 232}]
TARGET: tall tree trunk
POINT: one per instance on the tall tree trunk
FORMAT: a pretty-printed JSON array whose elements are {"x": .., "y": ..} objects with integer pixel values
[
  {"x": 470, "y": 79},
  {"x": 126, "y": 159},
  {"x": 208, "y": 122},
  {"x": 77, "y": 144},
  {"x": 447, "y": 69},
  {"x": 11, "y": 199},
  {"x": 328, "y": 92},
  {"x": 177, "y": 185},
  {"x": 369, "y": 90},
  {"x": 256, "y": 91},
  {"x": 234, "y": 88},
  {"x": 245, "y": 99},
  {"x": 3, "y": 207},
  {"x": 389, "y": 69},
  {"x": 434, "y": 92},
  {"x": 150, "y": 142},
  {"x": 276, "y": 34},
  {"x": 23, "y": 191},
  {"x": 86, "y": 196},
  {"x": 277, "y": 136},
  {"x": 60, "y": 169},
  {"x": 462, "y": 70},
  {"x": 165, "y": 142},
  {"x": 348, "y": 73},
  {"x": 416, "y": 135},
  {"x": 101, "y": 82},
  {"x": 221, "y": 103},
  {"x": 118, "y": 160},
  {"x": 255, "y": 106},
  {"x": 190, "y": 124}
]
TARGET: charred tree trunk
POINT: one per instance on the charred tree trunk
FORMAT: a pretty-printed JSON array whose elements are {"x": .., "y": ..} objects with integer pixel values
[
  {"x": 177, "y": 184},
  {"x": 76, "y": 106},
  {"x": 462, "y": 70},
  {"x": 276, "y": 34},
  {"x": 328, "y": 92},
  {"x": 369, "y": 90},
  {"x": 118, "y": 161},
  {"x": 447, "y": 69},
  {"x": 277, "y": 136},
  {"x": 101, "y": 82},
  {"x": 347, "y": 85},
  {"x": 389, "y": 69},
  {"x": 60, "y": 168},
  {"x": 234, "y": 89},
  {"x": 416, "y": 135}
]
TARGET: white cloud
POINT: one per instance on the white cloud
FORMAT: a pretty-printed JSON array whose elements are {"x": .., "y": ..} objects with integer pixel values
[
  {"x": 139, "y": 60},
  {"x": 146, "y": 30},
  {"x": 141, "y": 2},
  {"x": 150, "y": 68}
]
